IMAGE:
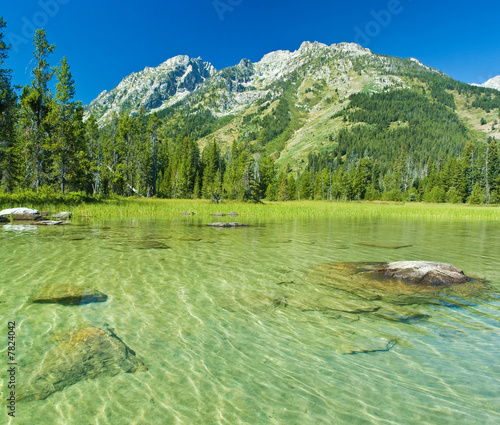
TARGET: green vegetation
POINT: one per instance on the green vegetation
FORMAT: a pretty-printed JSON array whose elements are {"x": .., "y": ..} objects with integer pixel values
[
  {"x": 404, "y": 143},
  {"x": 172, "y": 208}
]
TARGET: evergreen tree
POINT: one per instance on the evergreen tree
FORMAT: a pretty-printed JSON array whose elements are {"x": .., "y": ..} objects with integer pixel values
[
  {"x": 10, "y": 154},
  {"x": 306, "y": 186},
  {"x": 95, "y": 153},
  {"x": 477, "y": 196},
  {"x": 235, "y": 183},
  {"x": 292, "y": 188},
  {"x": 36, "y": 104},
  {"x": 153, "y": 132},
  {"x": 267, "y": 184},
  {"x": 67, "y": 145},
  {"x": 361, "y": 179},
  {"x": 492, "y": 171},
  {"x": 283, "y": 192},
  {"x": 212, "y": 173}
]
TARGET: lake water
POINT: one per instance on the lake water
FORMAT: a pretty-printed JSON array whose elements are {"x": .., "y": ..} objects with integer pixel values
[{"x": 256, "y": 325}]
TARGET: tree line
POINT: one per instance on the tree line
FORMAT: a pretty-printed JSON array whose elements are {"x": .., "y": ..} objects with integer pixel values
[{"x": 49, "y": 144}]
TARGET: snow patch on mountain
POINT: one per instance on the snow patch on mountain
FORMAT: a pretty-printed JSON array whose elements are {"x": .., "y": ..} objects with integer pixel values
[{"x": 493, "y": 83}]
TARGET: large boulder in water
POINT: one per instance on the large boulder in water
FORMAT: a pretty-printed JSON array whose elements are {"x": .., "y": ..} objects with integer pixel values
[
  {"x": 68, "y": 294},
  {"x": 423, "y": 272},
  {"x": 87, "y": 354},
  {"x": 21, "y": 214}
]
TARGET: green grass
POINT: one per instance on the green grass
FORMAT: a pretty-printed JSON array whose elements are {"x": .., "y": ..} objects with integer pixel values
[
  {"x": 170, "y": 208},
  {"x": 150, "y": 208}
]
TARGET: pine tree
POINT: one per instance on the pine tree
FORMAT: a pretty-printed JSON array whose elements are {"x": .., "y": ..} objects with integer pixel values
[
  {"x": 492, "y": 171},
  {"x": 66, "y": 140},
  {"x": 267, "y": 178},
  {"x": 306, "y": 187},
  {"x": 36, "y": 103},
  {"x": 95, "y": 153},
  {"x": 467, "y": 162},
  {"x": 477, "y": 196},
  {"x": 212, "y": 173},
  {"x": 234, "y": 183},
  {"x": 283, "y": 187},
  {"x": 361, "y": 178},
  {"x": 10, "y": 155},
  {"x": 153, "y": 132}
]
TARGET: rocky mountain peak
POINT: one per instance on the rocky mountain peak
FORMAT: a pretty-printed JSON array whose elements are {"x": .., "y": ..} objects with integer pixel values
[
  {"x": 153, "y": 88},
  {"x": 493, "y": 83}
]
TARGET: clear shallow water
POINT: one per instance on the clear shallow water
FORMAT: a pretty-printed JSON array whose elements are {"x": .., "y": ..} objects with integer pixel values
[{"x": 250, "y": 325}]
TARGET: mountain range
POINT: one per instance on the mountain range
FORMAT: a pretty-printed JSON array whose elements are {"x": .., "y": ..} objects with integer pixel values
[{"x": 293, "y": 102}]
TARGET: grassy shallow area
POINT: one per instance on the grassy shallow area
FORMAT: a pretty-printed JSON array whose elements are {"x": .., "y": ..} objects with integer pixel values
[
  {"x": 150, "y": 208},
  {"x": 170, "y": 208}
]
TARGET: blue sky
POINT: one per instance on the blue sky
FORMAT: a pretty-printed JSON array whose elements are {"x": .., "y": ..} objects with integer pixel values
[{"x": 106, "y": 40}]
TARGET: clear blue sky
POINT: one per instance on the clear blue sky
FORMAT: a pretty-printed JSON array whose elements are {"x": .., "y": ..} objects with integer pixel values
[{"x": 106, "y": 40}]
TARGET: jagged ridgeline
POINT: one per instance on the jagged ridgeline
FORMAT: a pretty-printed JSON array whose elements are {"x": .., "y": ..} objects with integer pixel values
[{"x": 333, "y": 109}]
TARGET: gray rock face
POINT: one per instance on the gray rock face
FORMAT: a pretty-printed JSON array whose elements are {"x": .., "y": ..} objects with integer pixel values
[
  {"x": 424, "y": 272},
  {"x": 65, "y": 215},
  {"x": 85, "y": 355},
  {"x": 48, "y": 223},
  {"x": 21, "y": 214},
  {"x": 68, "y": 294},
  {"x": 153, "y": 87}
]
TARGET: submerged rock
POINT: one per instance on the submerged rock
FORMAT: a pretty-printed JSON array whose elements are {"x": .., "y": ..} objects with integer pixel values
[
  {"x": 424, "y": 272},
  {"x": 219, "y": 214},
  {"x": 227, "y": 225},
  {"x": 21, "y": 214},
  {"x": 47, "y": 223},
  {"x": 150, "y": 245},
  {"x": 87, "y": 354},
  {"x": 68, "y": 294},
  {"x": 383, "y": 245},
  {"x": 233, "y": 214}
]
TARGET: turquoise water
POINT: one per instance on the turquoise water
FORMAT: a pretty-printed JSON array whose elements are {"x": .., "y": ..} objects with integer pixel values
[{"x": 255, "y": 325}]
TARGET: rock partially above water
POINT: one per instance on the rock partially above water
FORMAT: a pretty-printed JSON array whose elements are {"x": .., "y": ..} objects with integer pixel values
[
  {"x": 3, "y": 219},
  {"x": 67, "y": 294},
  {"x": 65, "y": 215},
  {"x": 423, "y": 272},
  {"x": 86, "y": 354},
  {"x": 21, "y": 214},
  {"x": 47, "y": 223}
]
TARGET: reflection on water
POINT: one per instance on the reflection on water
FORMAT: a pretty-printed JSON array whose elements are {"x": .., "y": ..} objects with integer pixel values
[{"x": 255, "y": 325}]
